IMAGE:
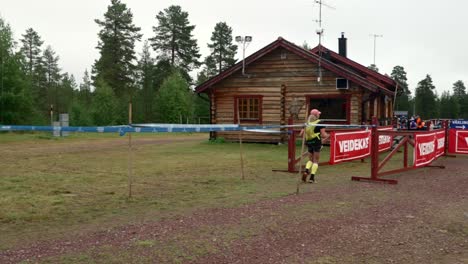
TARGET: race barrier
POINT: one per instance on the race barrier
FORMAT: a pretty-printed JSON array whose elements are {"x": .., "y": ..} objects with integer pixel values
[
  {"x": 353, "y": 145},
  {"x": 361, "y": 143},
  {"x": 428, "y": 146},
  {"x": 458, "y": 141},
  {"x": 347, "y": 146},
  {"x": 458, "y": 137},
  {"x": 293, "y": 161},
  {"x": 352, "y": 142}
]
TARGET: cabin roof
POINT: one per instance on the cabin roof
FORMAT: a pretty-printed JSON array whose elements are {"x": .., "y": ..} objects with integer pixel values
[
  {"x": 359, "y": 74},
  {"x": 354, "y": 65}
]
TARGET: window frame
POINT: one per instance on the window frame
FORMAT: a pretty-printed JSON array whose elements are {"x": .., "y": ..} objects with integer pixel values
[
  {"x": 249, "y": 96},
  {"x": 347, "y": 98}
]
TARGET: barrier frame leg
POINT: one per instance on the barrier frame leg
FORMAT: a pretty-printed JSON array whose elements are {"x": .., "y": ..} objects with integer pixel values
[{"x": 374, "y": 158}]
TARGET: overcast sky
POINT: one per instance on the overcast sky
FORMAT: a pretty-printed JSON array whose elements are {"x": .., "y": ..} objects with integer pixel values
[{"x": 423, "y": 36}]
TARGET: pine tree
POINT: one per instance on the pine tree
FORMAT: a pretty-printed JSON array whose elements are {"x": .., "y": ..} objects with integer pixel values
[
  {"x": 426, "y": 98},
  {"x": 174, "y": 99},
  {"x": 464, "y": 107},
  {"x": 15, "y": 97},
  {"x": 461, "y": 97},
  {"x": 67, "y": 88},
  {"x": 222, "y": 50},
  {"x": 117, "y": 37},
  {"x": 454, "y": 107},
  {"x": 31, "y": 49},
  {"x": 104, "y": 105},
  {"x": 147, "y": 89},
  {"x": 53, "y": 76},
  {"x": 373, "y": 67},
  {"x": 306, "y": 45},
  {"x": 85, "y": 89},
  {"x": 403, "y": 93},
  {"x": 459, "y": 89},
  {"x": 35, "y": 71},
  {"x": 174, "y": 40},
  {"x": 80, "y": 113},
  {"x": 201, "y": 102},
  {"x": 162, "y": 70},
  {"x": 445, "y": 105}
]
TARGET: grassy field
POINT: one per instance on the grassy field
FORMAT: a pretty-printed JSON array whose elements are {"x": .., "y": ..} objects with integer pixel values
[{"x": 53, "y": 188}]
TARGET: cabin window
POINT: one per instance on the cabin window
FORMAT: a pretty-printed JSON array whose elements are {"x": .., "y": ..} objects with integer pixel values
[
  {"x": 248, "y": 108},
  {"x": 333, "y": 109}
]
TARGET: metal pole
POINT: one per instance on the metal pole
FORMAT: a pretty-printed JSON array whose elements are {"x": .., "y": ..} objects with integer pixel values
[
  {"x": 130, "y": 161},
  {"x": 375, "y": 44},
  {"x": 243, "y": 57},
  {"x": 375, "y": 37}
]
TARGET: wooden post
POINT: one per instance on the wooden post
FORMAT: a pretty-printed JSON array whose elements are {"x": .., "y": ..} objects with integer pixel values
[
  {"x": 283, "y": 113},
  {"x": 405, "y": 154},
  {"x": 129, "y": 165},
  {"x": 302, "y": 150},
  {"x": 240, "y": 144},
  {"x": 445, "y": 125},
  {"x": 374, "y": 148},
  {"x": 212, "y": 114},
  {"x": 291, "y": 146}
]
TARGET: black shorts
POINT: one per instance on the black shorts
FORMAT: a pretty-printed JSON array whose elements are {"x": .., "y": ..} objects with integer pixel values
[{"x": 314, "y": 146}]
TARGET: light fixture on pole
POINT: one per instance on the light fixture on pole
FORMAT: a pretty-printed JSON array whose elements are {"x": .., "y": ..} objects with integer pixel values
[{"x": 245, "y": 41}]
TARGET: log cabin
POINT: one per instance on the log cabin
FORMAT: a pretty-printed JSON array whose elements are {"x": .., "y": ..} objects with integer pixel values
[{"x": 281, "y": 74}]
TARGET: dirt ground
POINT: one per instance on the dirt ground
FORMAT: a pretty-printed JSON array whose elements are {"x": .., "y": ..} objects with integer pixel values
[{"x": 422, "y": 219}]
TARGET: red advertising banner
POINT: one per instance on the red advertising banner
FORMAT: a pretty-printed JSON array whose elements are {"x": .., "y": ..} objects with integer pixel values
[
  {"x": 385, "y": 141},
  {"x": 424, "y": 149},
  {"x": 440, "y": 146},
  {"x": 458, "y": 141},
  {"x": 346, "y": 146}
]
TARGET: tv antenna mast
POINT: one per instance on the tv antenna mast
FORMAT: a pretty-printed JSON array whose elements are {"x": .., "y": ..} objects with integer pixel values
[
  {"x": 375, "y": 36},
  {"x": 319, "y": 32}
]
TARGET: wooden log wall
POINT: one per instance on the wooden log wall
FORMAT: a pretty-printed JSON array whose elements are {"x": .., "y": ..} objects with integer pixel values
[{"x": 278, "y": 77}]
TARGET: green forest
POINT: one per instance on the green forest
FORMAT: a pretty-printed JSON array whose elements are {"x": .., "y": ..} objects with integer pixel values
[{"x": 34, "y": 89}]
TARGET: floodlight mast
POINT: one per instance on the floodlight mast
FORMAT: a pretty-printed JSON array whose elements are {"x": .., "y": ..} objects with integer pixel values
[{"x": 245, "y": 41}]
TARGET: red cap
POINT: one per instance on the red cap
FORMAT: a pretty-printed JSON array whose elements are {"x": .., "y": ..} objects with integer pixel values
[{"x": 315, "y": 112}]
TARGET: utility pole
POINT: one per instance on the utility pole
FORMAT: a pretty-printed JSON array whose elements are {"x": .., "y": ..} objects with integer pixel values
[{"x": 375, "y": 36}]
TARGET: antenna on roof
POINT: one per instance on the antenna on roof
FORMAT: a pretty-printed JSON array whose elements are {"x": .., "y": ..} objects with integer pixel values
[
  {"x": 375, "y": 36},
  {"x": 319, "y": 32}
]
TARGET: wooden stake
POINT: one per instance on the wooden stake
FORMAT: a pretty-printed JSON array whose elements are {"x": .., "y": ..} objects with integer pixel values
[
  {"x": 130, "y": 163},
  {"x": 302, "y": 151},
  {"x": 240, "y": 144}
]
